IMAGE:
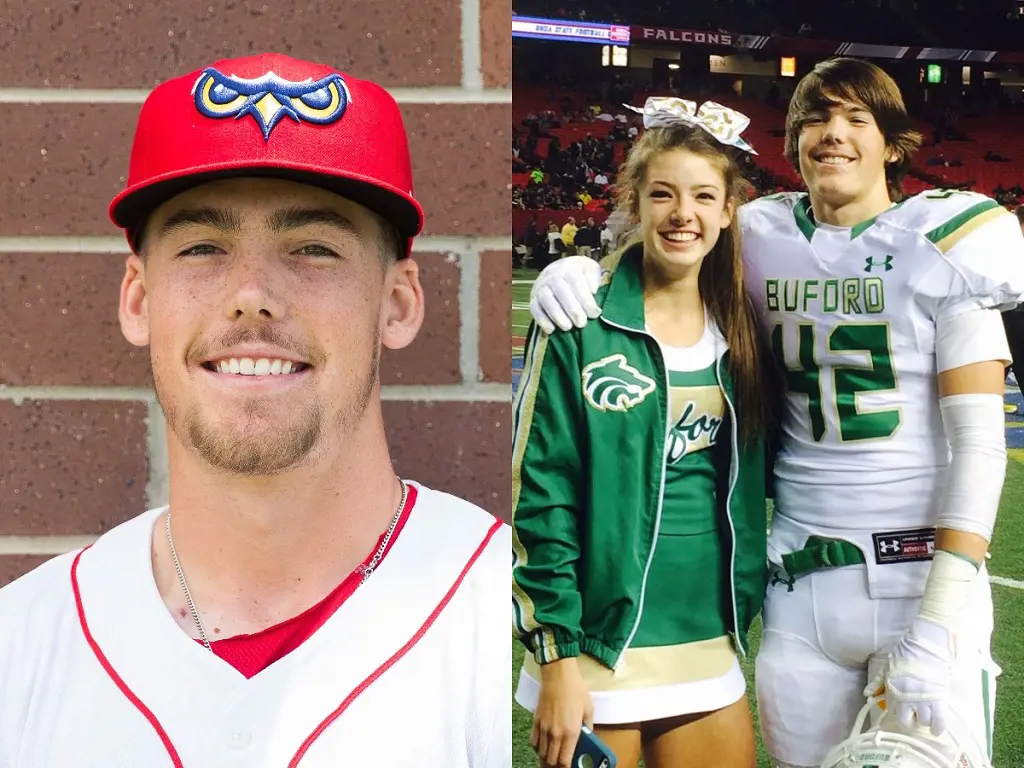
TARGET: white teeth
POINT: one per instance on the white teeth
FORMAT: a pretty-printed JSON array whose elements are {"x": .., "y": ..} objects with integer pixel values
[
  {"x": 834, "y": 160},
  {"x": 246, "y": 366},
  {"x": 680, "y": 237}
]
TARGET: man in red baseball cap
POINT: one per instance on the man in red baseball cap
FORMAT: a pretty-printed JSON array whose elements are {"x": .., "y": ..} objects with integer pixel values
[{"x": 296, "y": 603}]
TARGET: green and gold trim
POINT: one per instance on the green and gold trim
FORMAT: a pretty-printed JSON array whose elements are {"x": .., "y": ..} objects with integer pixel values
[
  {"x": 956, "y": 229},
  {"x": 523, "y": 611}
]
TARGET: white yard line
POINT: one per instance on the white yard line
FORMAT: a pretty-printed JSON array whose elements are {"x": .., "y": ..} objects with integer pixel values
[{"x": 1004, "y": 582}]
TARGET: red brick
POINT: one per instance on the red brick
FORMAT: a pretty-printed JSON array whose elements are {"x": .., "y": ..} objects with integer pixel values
[
  {"x": 433, "y": 357},
  {"x": 496, "y": 42},
  {"x": 65, "y": 163},
  {"x": 13, "y": 566},
  {"x": 136, "y": 45},
  {"x": 60, "y": 322},
  {"x": 495, "y": 316},
  {"x": 460, "y": 164},
  {"x": 464, "y": 449},
  {"x": 71, "y": 467}
]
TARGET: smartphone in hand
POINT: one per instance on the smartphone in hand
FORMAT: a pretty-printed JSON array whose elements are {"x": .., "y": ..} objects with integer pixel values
[{"x": 591, "y": 752}]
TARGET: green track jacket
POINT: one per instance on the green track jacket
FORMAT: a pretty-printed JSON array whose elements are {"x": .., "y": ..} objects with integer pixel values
[{"x": 590, "y": 425}]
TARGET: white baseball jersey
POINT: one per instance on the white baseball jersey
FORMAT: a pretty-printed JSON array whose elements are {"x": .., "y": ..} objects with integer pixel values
[
  {"x": 412, "y": 671},
  {"x": 852, "y": 314}
]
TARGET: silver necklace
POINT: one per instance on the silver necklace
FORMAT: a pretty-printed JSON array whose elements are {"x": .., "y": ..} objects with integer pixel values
[
  {"x": 184, "y": 586},
  {"x": 370, "y": 567}
]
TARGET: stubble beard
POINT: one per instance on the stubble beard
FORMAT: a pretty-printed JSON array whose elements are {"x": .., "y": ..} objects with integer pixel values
[{"x": 273, "y": 448}]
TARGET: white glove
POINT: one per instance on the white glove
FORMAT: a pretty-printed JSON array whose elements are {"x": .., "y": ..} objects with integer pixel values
[
  {"x": 916, "y": 677},
  {"x": 563, "y": 294}
]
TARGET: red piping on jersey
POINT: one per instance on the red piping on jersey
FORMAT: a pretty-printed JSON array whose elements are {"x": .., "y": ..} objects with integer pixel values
[
  {"x": 112, "y": 674},
  {"x": 398, "y": 654}
]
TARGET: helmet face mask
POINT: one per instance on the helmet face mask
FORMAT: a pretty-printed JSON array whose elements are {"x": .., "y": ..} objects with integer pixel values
[{"x": 886, "y": 744}]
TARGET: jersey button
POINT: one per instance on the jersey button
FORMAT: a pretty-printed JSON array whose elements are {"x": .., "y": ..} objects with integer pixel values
[{"x": 239, "y": 739}]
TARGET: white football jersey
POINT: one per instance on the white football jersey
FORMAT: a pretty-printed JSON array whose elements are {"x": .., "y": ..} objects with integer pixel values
[{"x": 852, "y": 314}]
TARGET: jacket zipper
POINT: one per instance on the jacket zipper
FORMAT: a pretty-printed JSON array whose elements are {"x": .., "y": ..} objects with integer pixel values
[
  {"x": 733, "y": 476},
  {"x": 661, "y": 497}
]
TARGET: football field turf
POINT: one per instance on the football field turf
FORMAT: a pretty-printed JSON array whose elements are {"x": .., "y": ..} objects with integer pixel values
[{"x": 1006, "y": 566}]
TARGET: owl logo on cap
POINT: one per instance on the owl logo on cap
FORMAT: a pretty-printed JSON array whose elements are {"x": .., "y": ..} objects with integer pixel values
[{"x": 269, "y": 98}]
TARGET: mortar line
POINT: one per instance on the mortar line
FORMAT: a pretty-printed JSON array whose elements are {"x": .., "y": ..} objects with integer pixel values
[{"x": 472, "y": 55}]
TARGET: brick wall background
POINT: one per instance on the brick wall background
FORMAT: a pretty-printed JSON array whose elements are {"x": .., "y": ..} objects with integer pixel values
[{"x": 81, "y": 435}]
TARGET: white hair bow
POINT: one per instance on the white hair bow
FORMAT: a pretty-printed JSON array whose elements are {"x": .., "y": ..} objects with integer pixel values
[{"x": 723, "y": 123}]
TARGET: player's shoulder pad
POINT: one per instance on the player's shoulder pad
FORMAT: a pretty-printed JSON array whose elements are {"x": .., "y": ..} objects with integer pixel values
[
  {"x": 781, "y": 203},
  {"x": 771, "y": 214},
  {"x": 945, "y": 217}
]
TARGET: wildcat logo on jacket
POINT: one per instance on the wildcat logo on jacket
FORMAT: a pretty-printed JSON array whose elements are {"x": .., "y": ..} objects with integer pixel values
[
  {"x": 612, "y": 384},
  {"x": 697, "y": 417},
  {"x": 270, "y": 98}
]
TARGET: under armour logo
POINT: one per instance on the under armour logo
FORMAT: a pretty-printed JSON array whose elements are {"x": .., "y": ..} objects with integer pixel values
[
  {"x": 889, "y": 546},
  {"x": 871, "y": 263}
]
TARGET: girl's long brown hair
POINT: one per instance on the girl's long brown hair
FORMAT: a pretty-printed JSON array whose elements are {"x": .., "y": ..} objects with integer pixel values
[{"x": 720, "y": 282}]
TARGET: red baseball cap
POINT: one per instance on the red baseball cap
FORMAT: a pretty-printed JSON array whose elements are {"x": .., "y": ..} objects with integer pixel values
[{"x": 271, "y": 116}]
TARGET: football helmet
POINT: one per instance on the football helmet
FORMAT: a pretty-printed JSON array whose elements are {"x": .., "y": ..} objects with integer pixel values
[{"x": 886, "y": 744}]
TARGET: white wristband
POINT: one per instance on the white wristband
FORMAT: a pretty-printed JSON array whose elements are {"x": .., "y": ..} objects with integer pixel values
[{"x": 947, "y": 590}]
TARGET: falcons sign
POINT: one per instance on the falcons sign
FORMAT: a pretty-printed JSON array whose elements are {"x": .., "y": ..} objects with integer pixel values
[{"x": 904, "y": 546}]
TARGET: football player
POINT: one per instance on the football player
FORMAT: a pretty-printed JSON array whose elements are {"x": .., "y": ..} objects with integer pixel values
[{"x": 884, "y": 315}]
